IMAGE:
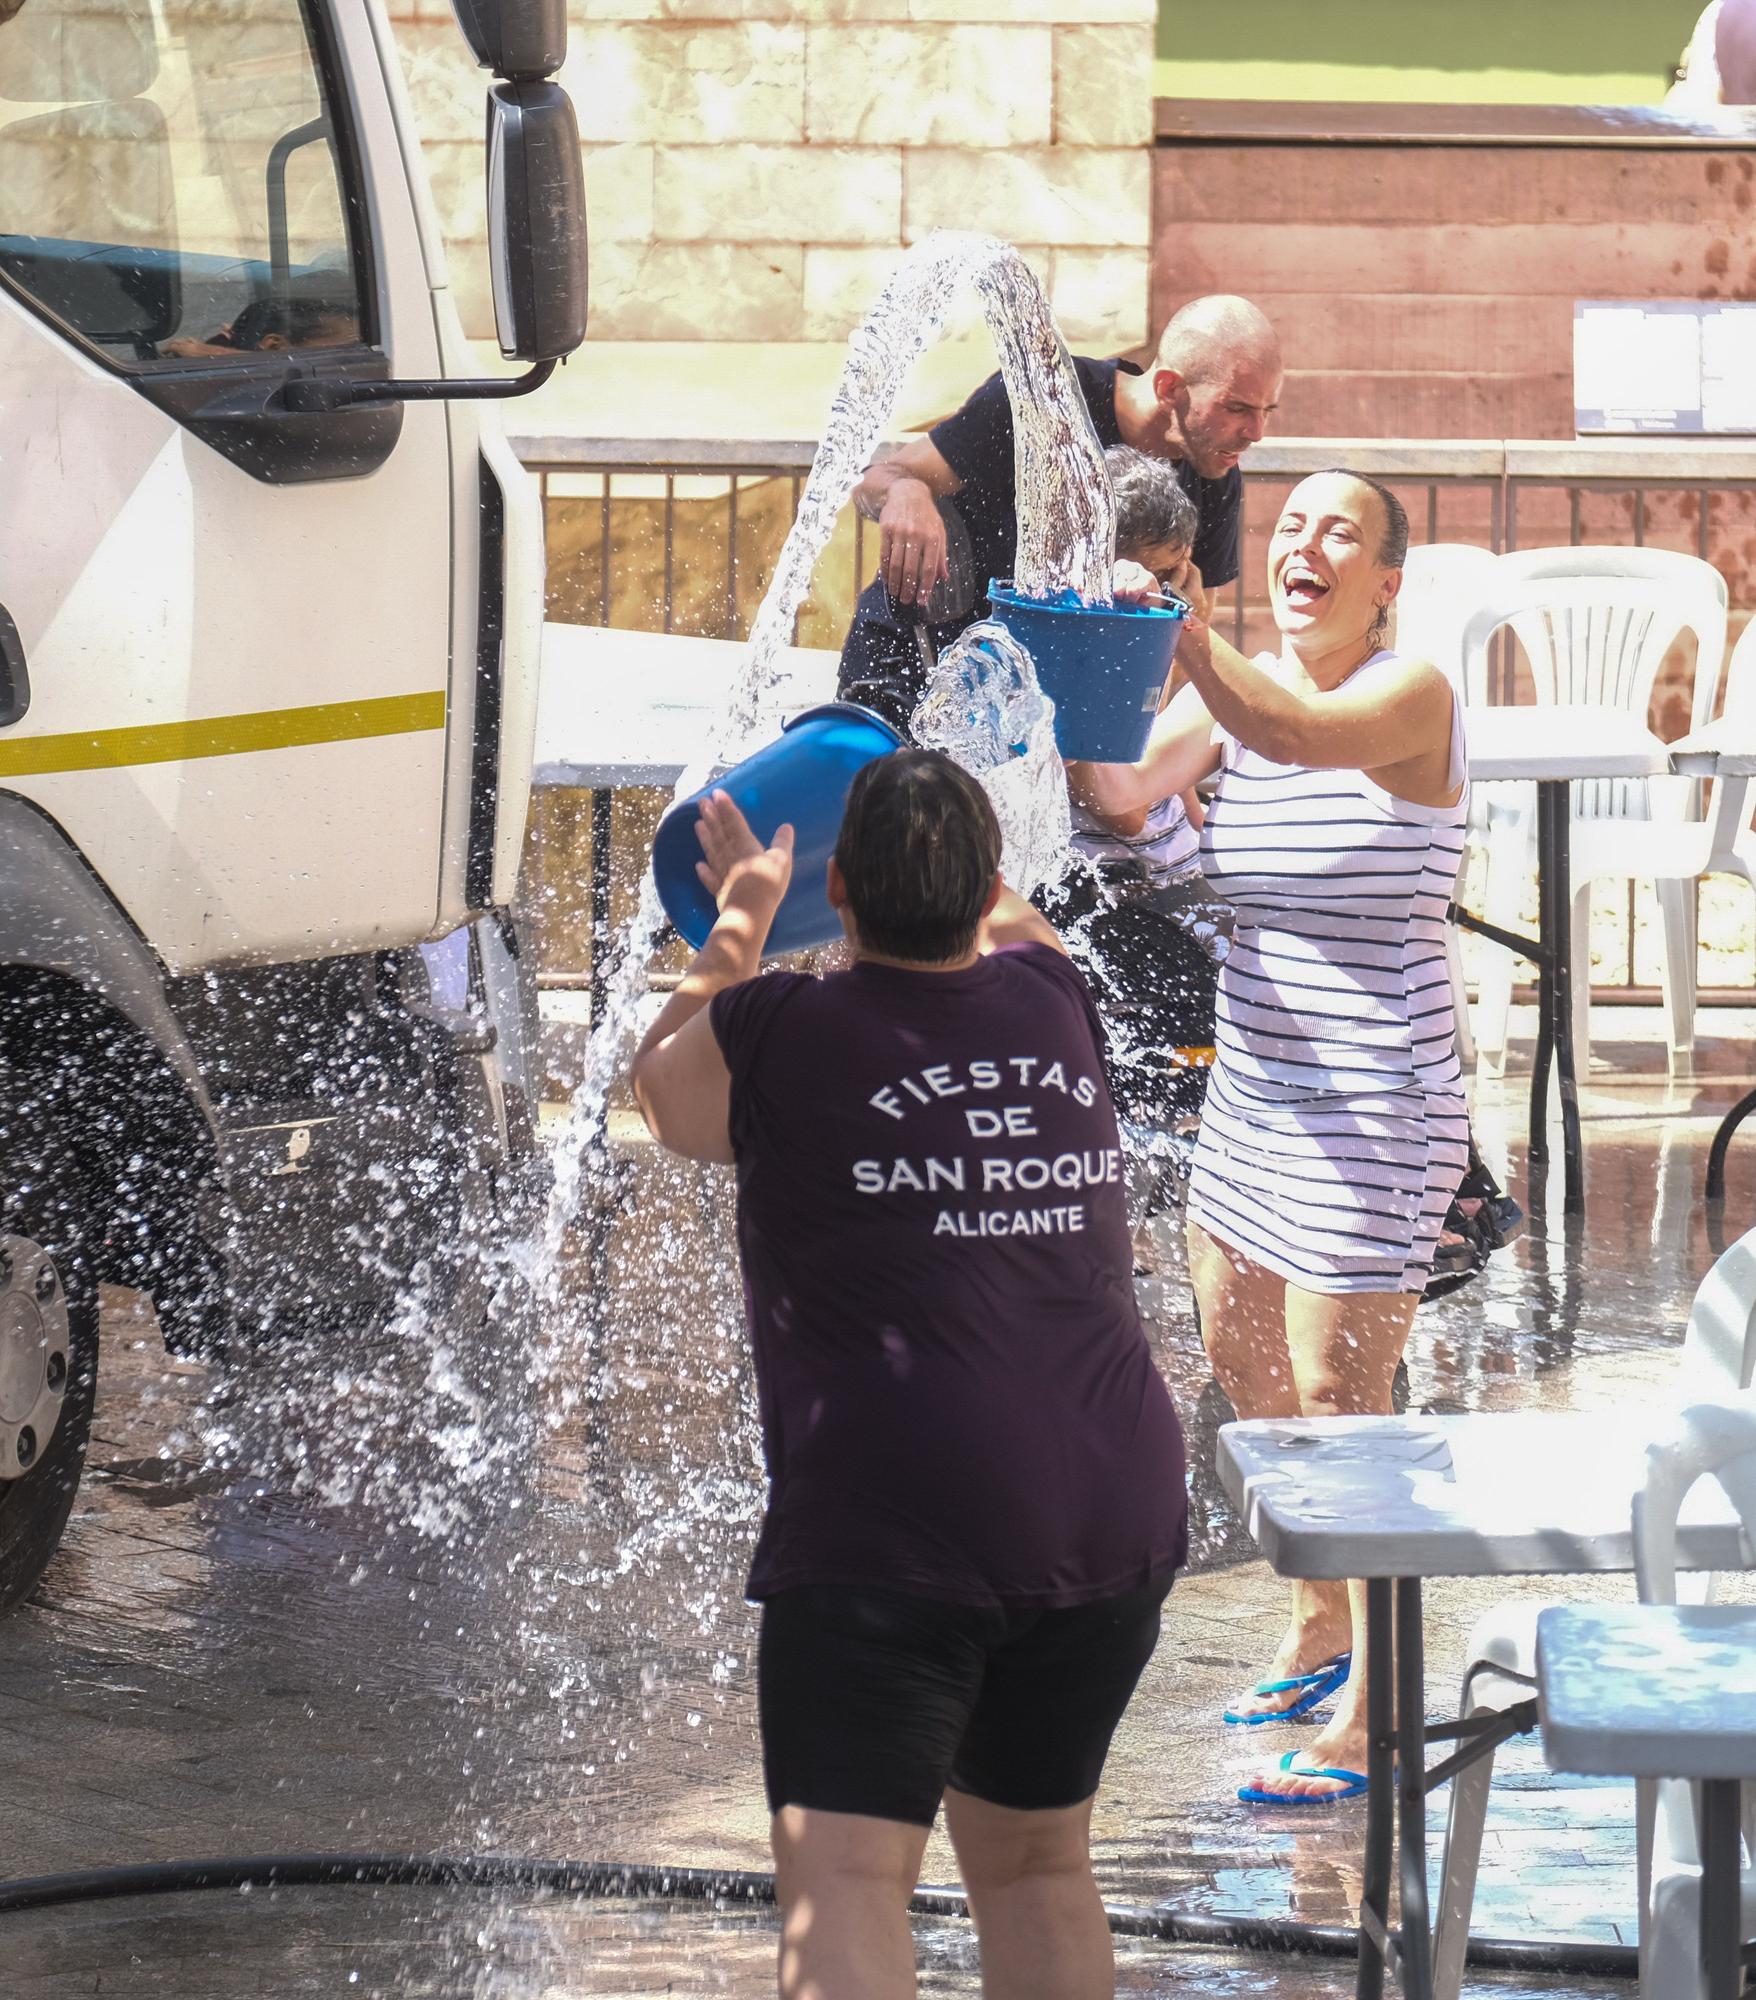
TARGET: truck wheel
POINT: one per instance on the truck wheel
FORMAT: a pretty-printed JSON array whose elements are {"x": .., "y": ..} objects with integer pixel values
[{"x": 48, "y": 1352}]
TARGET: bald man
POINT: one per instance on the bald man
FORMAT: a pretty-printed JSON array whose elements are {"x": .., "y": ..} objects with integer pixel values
[{"x": 1214, "y": 382}]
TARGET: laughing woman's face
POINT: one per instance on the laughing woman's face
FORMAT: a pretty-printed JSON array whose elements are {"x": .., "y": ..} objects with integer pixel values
[{"x": 1324, "y": 577}]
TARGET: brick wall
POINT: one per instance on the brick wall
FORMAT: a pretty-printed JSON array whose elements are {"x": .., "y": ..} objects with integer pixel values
[
  {"x": 1427, "y": 291},
  {"x": 754, "y": 178}
]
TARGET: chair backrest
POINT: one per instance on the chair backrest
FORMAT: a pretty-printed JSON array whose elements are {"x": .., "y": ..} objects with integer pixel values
[
  {"x": 1696, "y": 589},
  {"x": 1709, "y": 1440},
  {"x": 1719, "y": 1343},
  {"x": 1440, "y": 583},
  {"x": 1596, "y": 639}
]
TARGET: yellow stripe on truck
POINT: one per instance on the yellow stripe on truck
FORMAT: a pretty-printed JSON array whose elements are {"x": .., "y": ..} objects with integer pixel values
[{"x": 221, "y": 735}]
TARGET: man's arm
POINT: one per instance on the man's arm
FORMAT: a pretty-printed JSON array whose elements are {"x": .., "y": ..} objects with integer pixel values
[
  {"x": 898, "y": 493},
  {"x": 680, "y": 1078}
]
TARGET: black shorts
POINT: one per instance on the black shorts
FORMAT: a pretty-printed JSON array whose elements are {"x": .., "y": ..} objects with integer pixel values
[{"x": 873, "y": 1701}]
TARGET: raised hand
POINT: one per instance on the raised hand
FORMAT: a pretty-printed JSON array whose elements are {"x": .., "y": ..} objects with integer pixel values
[{"x": 735, "y": 862}]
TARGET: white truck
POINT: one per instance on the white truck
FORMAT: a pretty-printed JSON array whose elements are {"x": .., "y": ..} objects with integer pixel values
[{"x": 270, "y": 611}]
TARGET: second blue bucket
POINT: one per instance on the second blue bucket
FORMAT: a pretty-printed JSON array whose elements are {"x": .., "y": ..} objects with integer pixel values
[
  {"x": 1104, "y": 666},
  {"x": 802, "y": 777}
]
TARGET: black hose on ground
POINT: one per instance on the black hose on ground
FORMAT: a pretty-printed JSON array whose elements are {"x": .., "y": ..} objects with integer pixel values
[{"x": 730, "y": 1885}]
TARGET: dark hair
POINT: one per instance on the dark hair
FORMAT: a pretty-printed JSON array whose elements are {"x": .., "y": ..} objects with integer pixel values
[
  {"x": 1151, "y": 506},
  {"x": 309, "y": 304},
  {"x": 918, "y": 850},
  {"x": 1393, "y": 544}
]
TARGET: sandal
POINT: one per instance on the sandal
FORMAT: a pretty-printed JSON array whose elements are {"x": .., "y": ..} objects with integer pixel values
[
  {"x": 1315, "y": 1687},
  {"x": 1353, "y": 1783}
]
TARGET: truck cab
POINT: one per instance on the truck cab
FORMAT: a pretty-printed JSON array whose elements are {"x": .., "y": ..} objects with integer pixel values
[{"x": 270, "y": 612}]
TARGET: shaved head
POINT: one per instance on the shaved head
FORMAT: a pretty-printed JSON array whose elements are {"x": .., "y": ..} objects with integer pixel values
[
  {"x": 1211, "y": 390},
  {"x": 1207, "y": 336},
  {"x": 1735, "y": 51}
]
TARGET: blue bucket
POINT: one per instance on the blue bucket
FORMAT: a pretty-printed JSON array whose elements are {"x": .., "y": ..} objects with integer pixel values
[
  {"x": 803, "y": 776},
  {"x": 1104, "y": 666}
]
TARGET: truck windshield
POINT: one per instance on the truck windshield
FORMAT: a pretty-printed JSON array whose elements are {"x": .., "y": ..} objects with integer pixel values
[{"x": 170, "y": 188}]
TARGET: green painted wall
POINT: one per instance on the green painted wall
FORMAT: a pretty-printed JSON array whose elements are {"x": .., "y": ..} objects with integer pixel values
[{"x": 1423, "y": 51}]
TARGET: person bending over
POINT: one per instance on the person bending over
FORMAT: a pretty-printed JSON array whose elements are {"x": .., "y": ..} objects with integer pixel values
[
  {"x": 1214, "y": 383},
  {"x": 976, "y": 1477},
  {"x": 1155, "y": 979},
  {"x": 1333, "y": 1136}
]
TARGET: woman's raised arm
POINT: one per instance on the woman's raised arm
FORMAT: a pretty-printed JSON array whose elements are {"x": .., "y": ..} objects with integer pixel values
[
  {"x": 1180, "y": 751},
  {"x": 1386, "y": 718}
]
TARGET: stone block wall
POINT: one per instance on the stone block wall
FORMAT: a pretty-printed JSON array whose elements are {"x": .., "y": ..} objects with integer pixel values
[{"x": 754, "y": 167}]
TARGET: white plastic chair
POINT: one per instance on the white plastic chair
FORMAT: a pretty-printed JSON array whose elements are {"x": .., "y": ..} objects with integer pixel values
[
  {"x": 1718, "y": 1360},
  {"x": 1441, "y": 581},
  {"x": 1595, "y": 625},
  {"x": 1717, "y": 842},
  {"x": 1711, "y": 1441}
]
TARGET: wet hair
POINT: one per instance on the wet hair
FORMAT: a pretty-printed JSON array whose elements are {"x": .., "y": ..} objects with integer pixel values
[
  {"x": 1151, "y": 506},
  {"x": 1393, "y": 543},
  {"x": 918, "y": 850}
]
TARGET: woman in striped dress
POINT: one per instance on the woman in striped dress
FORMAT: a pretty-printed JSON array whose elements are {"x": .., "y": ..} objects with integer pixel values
[{"x": 1334, "y": 1133}]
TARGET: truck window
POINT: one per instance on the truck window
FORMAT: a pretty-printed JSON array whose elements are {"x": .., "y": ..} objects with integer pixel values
[{"x": 170, "y": 186}]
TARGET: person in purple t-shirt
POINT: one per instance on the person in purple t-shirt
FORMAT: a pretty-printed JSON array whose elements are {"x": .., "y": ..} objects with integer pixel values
[{"x": 976, "y": 1494}]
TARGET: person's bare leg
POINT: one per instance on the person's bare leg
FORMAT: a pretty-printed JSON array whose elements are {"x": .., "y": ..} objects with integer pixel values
[
  {"x": 843, "y": 1882},
  {"x": 1243, "y": 1323},
  {"x": 1038, "y": 1915},
  {"x": 1345, "y": 1348}
]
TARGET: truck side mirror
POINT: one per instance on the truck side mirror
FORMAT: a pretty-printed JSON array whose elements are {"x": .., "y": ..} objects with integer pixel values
[
  {"x": 536, "y": 217},
  {"x": 536, "y": 221},
  {"x": 518, "y": 39}
]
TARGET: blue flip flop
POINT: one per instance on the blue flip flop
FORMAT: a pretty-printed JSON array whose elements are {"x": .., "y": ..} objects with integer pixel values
[
  {"x": 1353, "y": 1784},
  {"x": 1318, "y": 1687}
]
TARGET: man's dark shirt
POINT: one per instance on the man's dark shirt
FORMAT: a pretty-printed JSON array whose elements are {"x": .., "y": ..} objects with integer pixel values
[
  {"x": 957, "y": 1397},
  {"x": 881, "y": 660}
]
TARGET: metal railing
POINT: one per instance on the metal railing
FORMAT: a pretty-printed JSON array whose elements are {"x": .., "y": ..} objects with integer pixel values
[{"x": 680, "y": 534}]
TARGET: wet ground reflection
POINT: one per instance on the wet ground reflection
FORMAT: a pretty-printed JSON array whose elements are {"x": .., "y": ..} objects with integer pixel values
[
  {"x": 379, "y": 1944},
  {"x": 222, "y": 1660}
]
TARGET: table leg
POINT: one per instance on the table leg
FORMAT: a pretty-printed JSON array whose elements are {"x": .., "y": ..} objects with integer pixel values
[
  {"x": 1416, "y": 1932},
  {"x": 603, "y": 806},
  {"x": 1545, "y": 1034},
  {"x": 1554, "y": 1041},
  {"x": 1558, "y": 866},
  {"x": 1720, "y": 1893},
  {"x": 1380, "y": 1791}
]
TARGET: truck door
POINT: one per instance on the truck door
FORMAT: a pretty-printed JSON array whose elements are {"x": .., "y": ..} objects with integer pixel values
[{"x": 224, "y": 628}]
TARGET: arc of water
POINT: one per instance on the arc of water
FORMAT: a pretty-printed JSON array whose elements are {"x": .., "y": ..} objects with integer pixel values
[{"x": 1066, "y": 539}]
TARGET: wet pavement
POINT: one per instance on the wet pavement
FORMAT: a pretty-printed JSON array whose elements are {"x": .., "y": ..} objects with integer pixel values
[{"x": 346, "y": 1604}]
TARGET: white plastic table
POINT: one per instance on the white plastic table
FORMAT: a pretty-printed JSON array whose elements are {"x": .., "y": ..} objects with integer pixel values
[
  {"x": 1553, "y": 744},
  {"x": 1662, "y": 1691},
  {"x": 1395, "y": 1499},
  {"x": 638, "y": 708},
  {"x": 1725, "y": 748}
]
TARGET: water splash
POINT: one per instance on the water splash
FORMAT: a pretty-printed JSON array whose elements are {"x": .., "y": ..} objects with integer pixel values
[
  {"x": 985, "y": 710},
  {"x": 1066, "y": 540}
]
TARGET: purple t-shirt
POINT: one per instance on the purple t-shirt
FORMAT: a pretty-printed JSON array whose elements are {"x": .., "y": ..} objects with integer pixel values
[{"x": 957, "y": 1395}]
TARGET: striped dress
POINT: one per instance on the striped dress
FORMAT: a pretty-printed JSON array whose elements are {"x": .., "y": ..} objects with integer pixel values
[{"x": 1334, "y": 1133}]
